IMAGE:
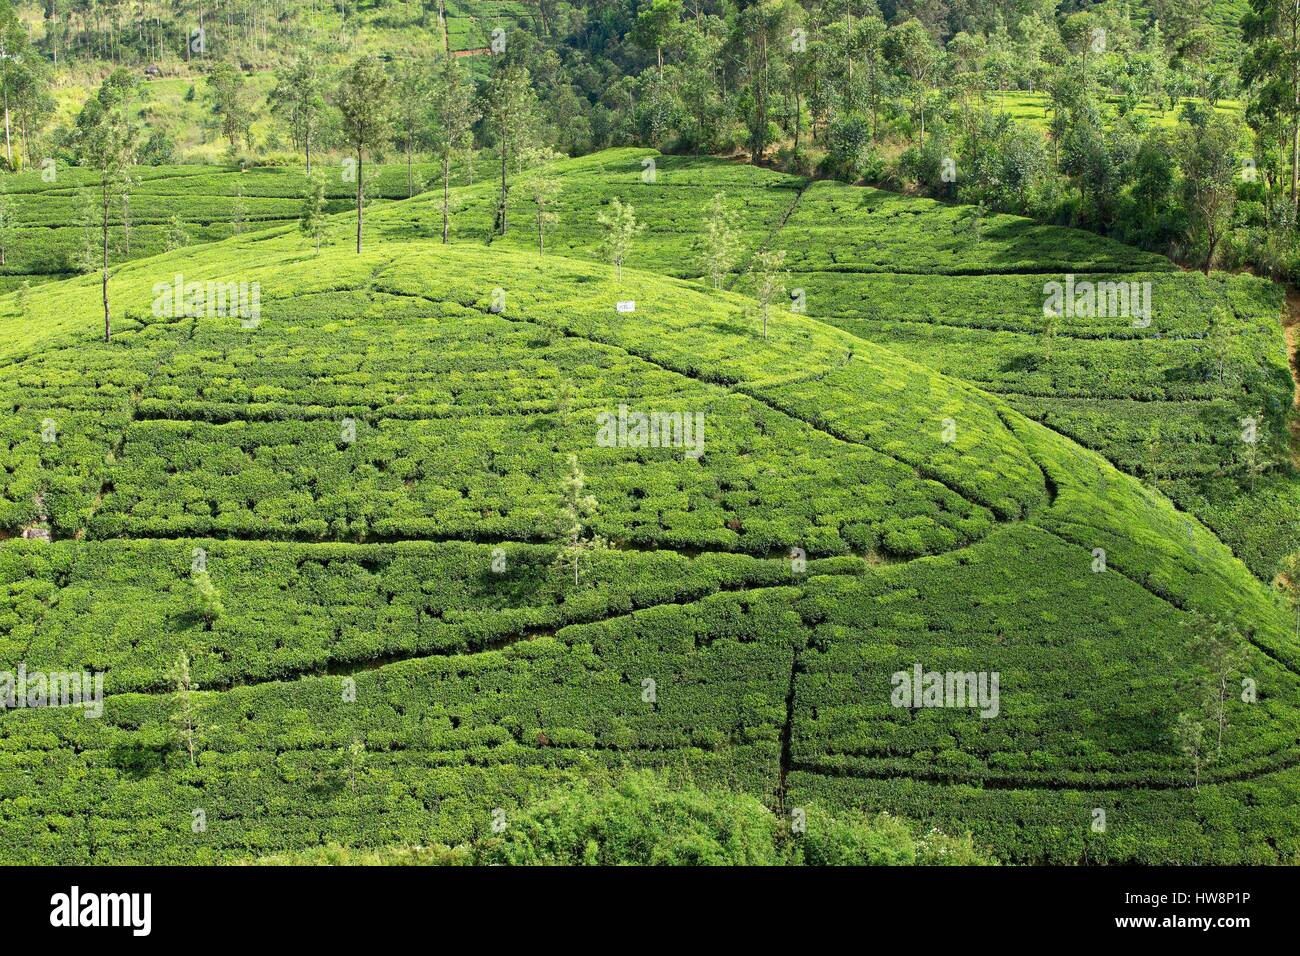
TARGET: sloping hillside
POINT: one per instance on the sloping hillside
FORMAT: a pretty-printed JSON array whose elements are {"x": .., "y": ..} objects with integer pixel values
[
  {"x": 56, "y": 218},
  {"x": 374, "y": 471},
  {"x": 1161, "y": 396}
]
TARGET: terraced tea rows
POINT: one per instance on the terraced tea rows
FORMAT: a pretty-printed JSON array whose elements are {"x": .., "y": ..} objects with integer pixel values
[
  {"x": 377, "y": 692},
  {"x": 1161, "y": 395},
  {"x": 169, "y": 206}
]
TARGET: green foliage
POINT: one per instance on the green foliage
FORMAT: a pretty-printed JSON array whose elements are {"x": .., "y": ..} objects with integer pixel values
[
  {"x": 719, "y": 243},
  {"x": 452, "y": 118},
  {"x": 175, "y": 235},
  {"x": 767, "y": 281},
  {"x": 850, "y": 153},
  {"x": 620, "y": 228},
  {"x": 374, "y": 559},
  {"x": 510, "y": 108},
  {"x": 311, "y": 221},
  {"x": 207, "y": 599},
  {"x": 158, "y": 149},
  {"x": 576, "y": 511},
  {"x": 641, "y": 820},
  {"x": 8, "y": 225},
  {"x": 183, "y": 716},
  {"x": 364, "y": 100},
  {"x": 298, "y": 100},
  {"x": 230, "y": 104},
  {"x": 1207, "y": 145}
]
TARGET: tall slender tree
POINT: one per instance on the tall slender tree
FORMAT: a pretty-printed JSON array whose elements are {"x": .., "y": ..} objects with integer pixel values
[
  {"x": 1208, "y": 145},
  {"x": 453, "y": 117},
  {"x": 656, "y": 22},
  {"x": 364, "y": 99},
  {"x": 184, "y": 716},
  {"x": 768, "y": 278},
  {"x": 619, "y": 228},
  {"x": 1270, "y": 70},
  {"x": 910, "y": 48},
  {"x": 761, "y": 25},
  {"x": 413, "y": 90},
  {"x": 14, "y": 56},
  {"x": 510, "y": 105},
  {"x": 24, "y": 88},
  {"x": 230, "y": 103},
  {"x": 311, "y": 220},
  {"x": 545, "y": 190},
  {"x": 298, "y": 99},
  {"x": 718, "y": 245},
  {"x": 105, "y": 142}
]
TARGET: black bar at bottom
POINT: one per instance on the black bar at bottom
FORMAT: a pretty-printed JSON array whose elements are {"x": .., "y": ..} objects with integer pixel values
[{"x": 334, "y": 905}]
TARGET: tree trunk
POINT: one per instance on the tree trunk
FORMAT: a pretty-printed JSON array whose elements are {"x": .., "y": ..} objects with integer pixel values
[
  {"x": 307, "y": 147},
  {"x": 9, "y": 147},
  {"x": 504, "y": 148},
  {"x": 410, "y": 176},
  {"x": 1295, "y": 163},
  {"x": 798, "y": 118},
  {"x": 104, "y": 271},
  {"x": 1223, "y": 713},
  {"x": 360, "y": 180},
  {"x": 446, "y": 184},
  {"x": 875, "y": 101}
]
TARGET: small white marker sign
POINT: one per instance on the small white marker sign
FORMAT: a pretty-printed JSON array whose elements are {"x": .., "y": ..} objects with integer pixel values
[{"x": 627, "y": 305}]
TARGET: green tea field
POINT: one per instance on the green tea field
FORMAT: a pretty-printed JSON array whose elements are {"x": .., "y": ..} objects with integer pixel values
[
  {"x": 419, "y": 589},
  {"x": 55, "y": 214},
  {"x": 1161, "y": 397}
]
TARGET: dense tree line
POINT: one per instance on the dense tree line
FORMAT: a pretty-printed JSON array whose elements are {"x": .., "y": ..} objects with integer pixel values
[{"x": 1157, "y": 127}]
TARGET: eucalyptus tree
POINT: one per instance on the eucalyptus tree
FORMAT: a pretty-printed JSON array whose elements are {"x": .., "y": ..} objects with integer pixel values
[
  {"x": 298, "y": 99},
  {"x": 104, "y": 141},
  {"x": 364, "y": 100},
  {"x": 511, "y": 108},
  {"x": 452, "y": 116}
]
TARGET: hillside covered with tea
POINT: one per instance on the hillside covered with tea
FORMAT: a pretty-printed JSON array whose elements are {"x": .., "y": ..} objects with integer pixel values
[{"x": 378, "y": 474}]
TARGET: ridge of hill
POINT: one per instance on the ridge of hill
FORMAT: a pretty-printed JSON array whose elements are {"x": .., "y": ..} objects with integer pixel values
[{"x": 963, "y": 293}]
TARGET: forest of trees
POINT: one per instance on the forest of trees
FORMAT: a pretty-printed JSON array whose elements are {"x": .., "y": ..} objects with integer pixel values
[{"x": 1174, "y": 126}]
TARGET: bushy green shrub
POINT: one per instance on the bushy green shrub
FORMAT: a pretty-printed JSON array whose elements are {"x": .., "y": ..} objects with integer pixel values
[{"x": 640, "y": 819}]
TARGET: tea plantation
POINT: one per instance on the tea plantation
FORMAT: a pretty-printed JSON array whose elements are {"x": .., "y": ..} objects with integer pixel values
[
  {"x": 56, "y": 213},
  {"x": 1162, "y": 397},
  {"x": 346, "y": 516}
]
